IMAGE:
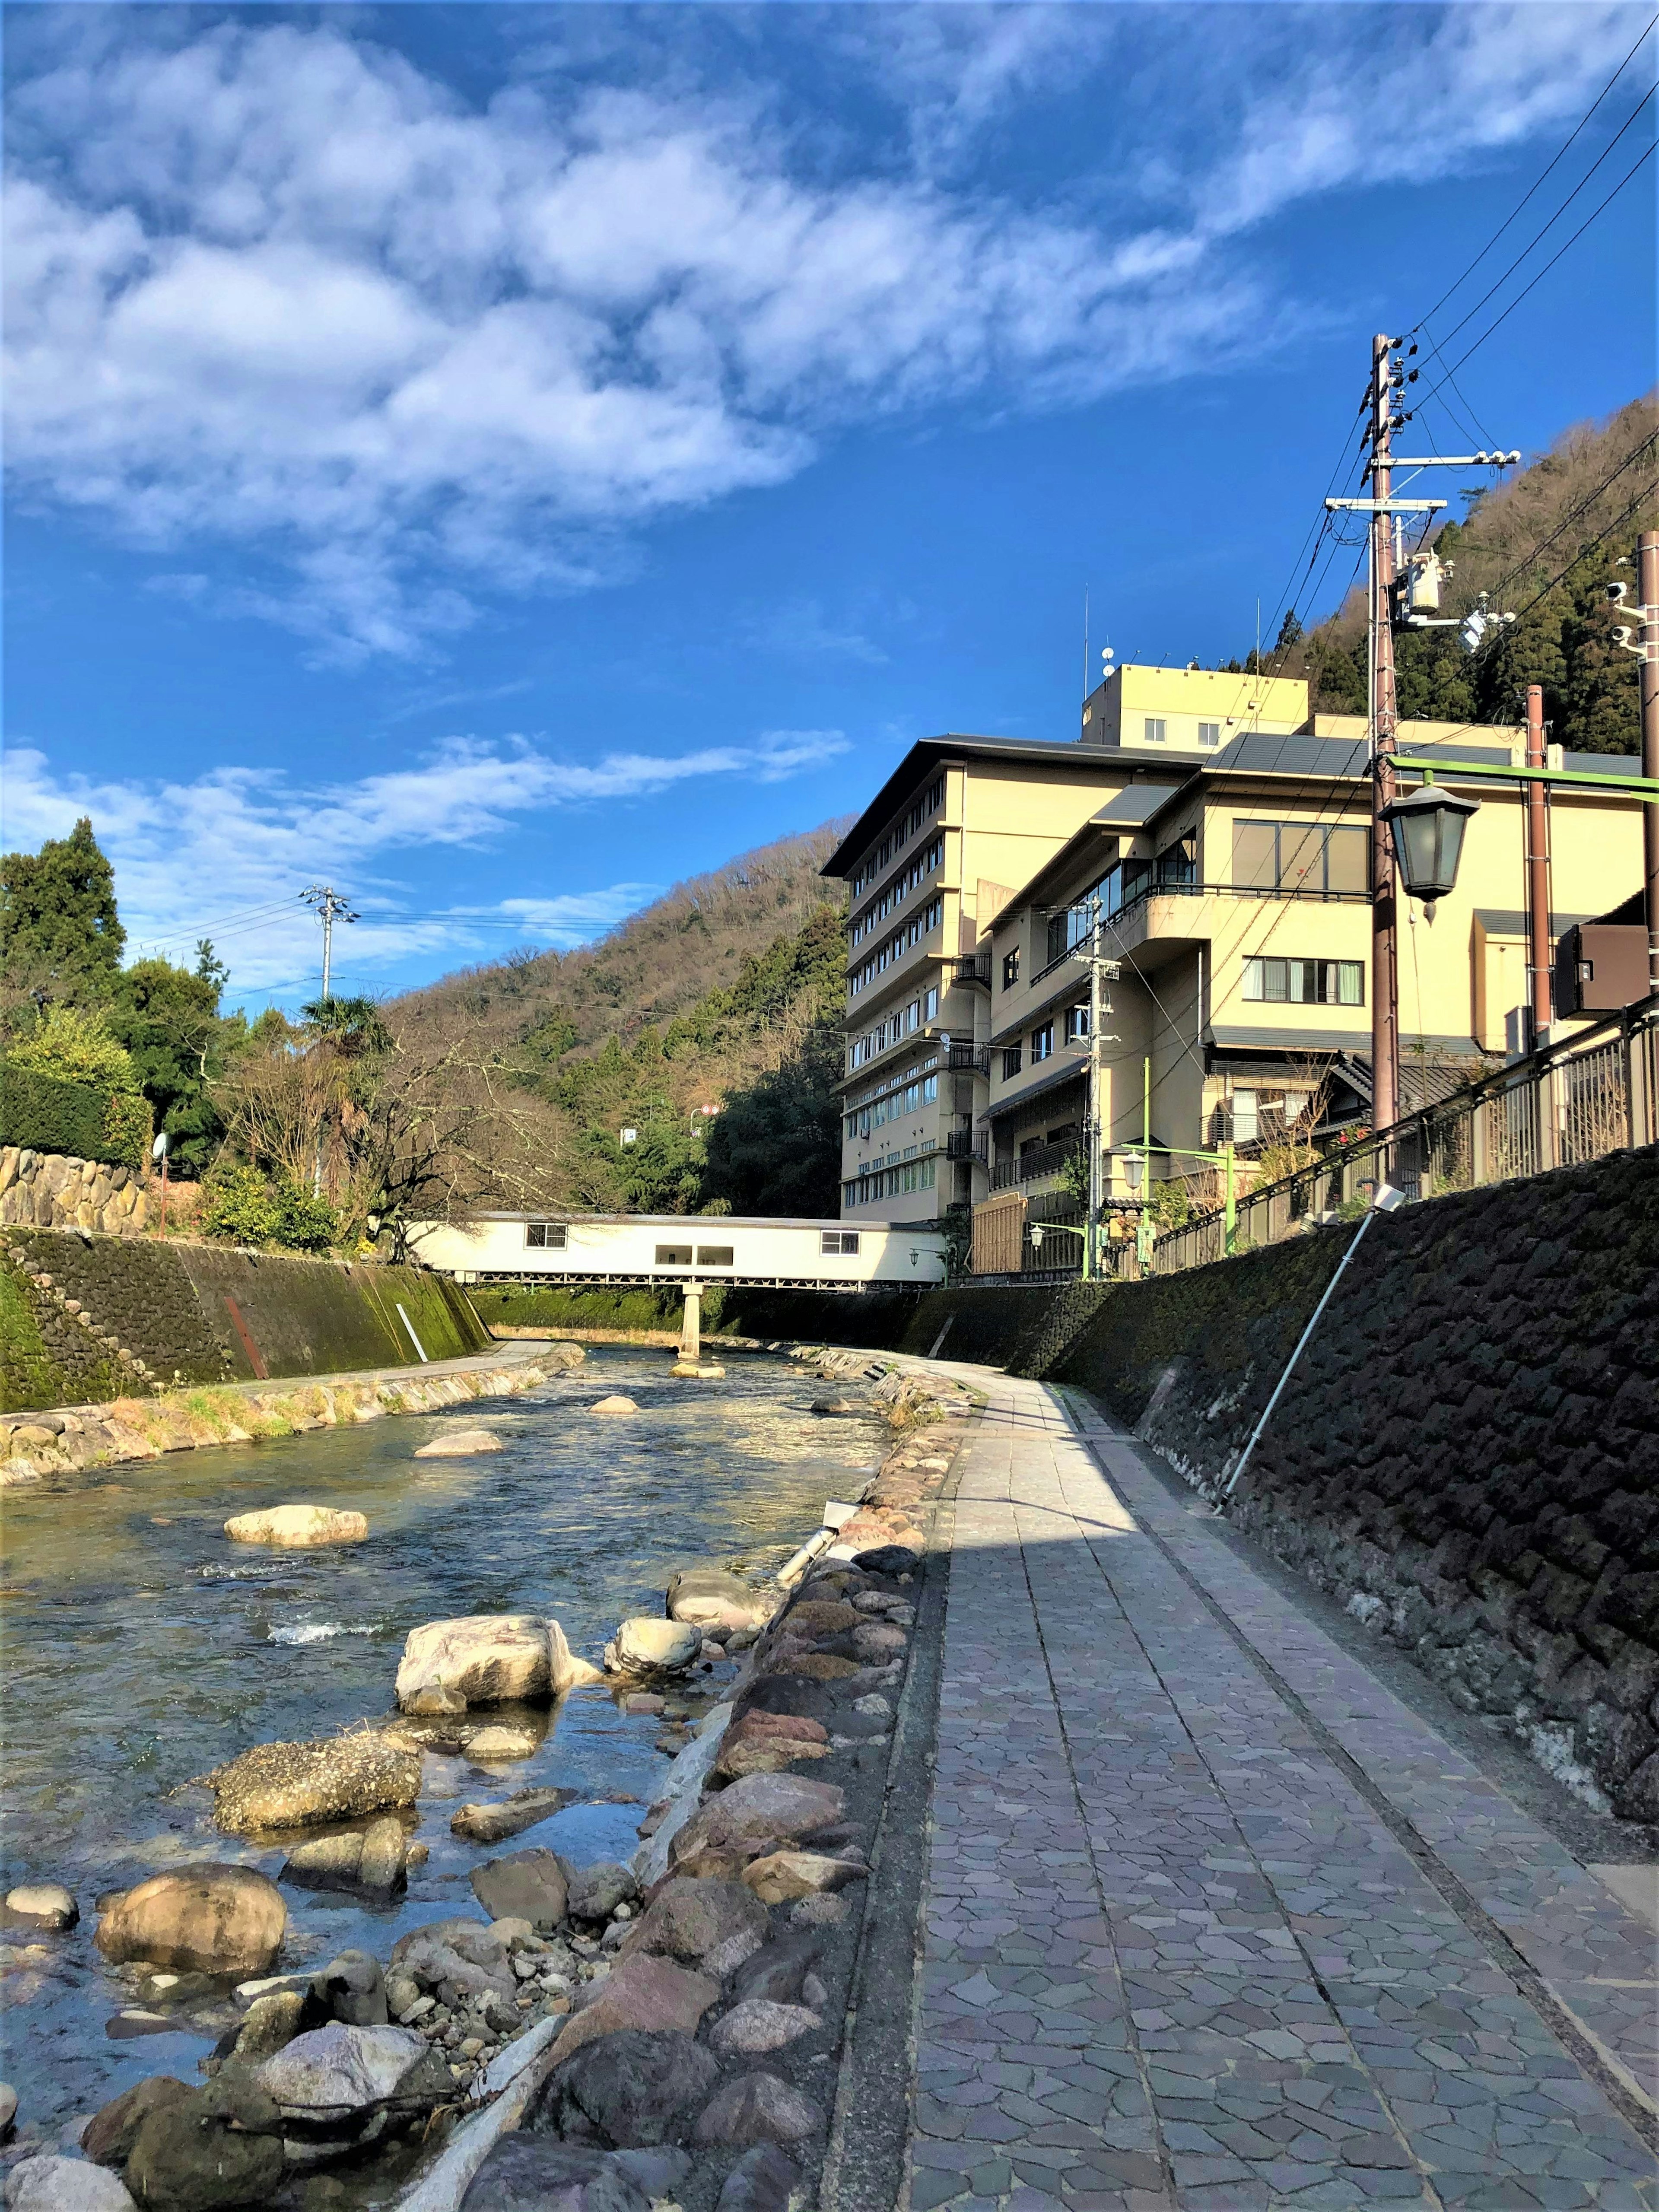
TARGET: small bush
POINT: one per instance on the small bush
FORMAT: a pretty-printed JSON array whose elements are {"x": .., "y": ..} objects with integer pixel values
[
  {"x": 76, "y": 1047},
  {"x": 241, "y": 1207}
]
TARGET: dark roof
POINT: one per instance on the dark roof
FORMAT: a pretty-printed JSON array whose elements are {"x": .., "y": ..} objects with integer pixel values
[
  {"x": 1134, "y": 806},
  {"x": 927, "y": 752},
  {"x": 1259, "y": 752},
  {"x": 1425, "y": 1079}
]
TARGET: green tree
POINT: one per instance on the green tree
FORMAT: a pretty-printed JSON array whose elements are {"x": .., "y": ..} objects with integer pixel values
[
  {"x": 776, "y": 1145},
  {"x": 62, "y": 935},
  {"x": 76, "y": 1046},
  {"x": 168, "y": 1019}
]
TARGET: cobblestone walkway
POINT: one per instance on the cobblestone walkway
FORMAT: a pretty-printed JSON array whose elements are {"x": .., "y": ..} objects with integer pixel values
[{"x": 1182, "y": 1945}]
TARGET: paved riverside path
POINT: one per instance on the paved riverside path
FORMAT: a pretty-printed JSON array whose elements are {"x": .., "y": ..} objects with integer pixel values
[{"x": 1200, "y": 1932}]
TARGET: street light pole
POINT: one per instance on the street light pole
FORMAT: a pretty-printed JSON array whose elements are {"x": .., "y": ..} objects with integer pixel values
[{"x": 1647, "y": 556}]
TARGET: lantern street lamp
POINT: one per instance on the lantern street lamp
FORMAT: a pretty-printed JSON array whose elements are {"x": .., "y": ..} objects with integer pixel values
[{"x": 1427, "y": 831}]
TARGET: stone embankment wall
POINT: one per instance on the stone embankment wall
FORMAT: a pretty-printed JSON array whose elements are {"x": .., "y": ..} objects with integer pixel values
[
  {"x": 1466, "y": 1457},
  {"x": 52, "y": 1190},
  {"x": 86, "y": 1316}
]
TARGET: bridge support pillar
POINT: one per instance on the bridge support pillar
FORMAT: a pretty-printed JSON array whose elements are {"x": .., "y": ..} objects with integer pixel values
[{"x": 692, "y": 1326}]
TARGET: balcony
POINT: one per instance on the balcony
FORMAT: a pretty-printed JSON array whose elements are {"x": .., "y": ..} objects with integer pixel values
[
  {"x": 973, "y": 968},
  {"x": 965, "y": 1145},
  {"x": 962, "y": 1059},
  {"x": 1033, "y": 1165}
]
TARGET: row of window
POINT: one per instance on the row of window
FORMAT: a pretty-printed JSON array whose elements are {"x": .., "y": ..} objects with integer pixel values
[
  {"x": 1306, "y": 982},
  {"x": 900, "y": 1024},
  {"x": 899, "y": 836},
  {"x": 893, "y": 1105},
  {"x": 896, "y": 945},
  {"x": 898, "y": 891},
  {"x": 1075, "y": 1029},
  {"x": 554, "y": 1236},
  {"x": 1155, "y": 729},
  {"x": 890, "y": 1182}
]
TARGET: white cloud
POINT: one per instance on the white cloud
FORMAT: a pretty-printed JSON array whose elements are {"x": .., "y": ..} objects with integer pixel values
[
  {"x": 255, "y": 838},
  {"x": 274, "y": 288}
]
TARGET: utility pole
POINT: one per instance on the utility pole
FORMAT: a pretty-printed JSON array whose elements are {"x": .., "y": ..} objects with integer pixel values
[
  {"x": 1383, "y": 717},
  {"x": 1100, "y": 969},
  {"x": 1539, "y": 949},
  {"x": 332, "y": 906}
]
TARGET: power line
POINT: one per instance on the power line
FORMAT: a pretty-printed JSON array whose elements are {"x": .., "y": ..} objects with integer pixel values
[{"x": 1555, "y": 161}]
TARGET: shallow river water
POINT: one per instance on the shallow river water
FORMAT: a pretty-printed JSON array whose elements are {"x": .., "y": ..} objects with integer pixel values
[{"x": 141, "y": 1647}]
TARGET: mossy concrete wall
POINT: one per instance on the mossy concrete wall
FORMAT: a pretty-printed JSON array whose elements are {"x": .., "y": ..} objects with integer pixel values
[{"x": 86, "y": 1315}]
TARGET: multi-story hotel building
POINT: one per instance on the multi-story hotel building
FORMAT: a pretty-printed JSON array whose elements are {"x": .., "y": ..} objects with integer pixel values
[{"x": 960, "y": 823}]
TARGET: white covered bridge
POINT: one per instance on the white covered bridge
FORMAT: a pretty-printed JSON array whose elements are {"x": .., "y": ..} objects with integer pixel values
[{"x": 682, "y": 1249}]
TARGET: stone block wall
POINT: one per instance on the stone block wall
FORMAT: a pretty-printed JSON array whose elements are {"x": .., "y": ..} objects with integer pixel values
[
  {"x": 1467, "y": 1455},
  {"x": 53, "y": 1190}
]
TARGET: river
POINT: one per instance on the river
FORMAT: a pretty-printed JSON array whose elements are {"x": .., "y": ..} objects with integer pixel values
[{"x": 141, "y": 1647}]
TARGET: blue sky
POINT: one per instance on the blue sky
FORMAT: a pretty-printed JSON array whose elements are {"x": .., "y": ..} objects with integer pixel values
[{"x": 503, "y": 460}]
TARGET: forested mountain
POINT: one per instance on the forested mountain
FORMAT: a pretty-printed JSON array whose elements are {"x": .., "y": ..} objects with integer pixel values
[
  {"x": 1543, "y": 545},
  {"x": 722, "y": 995}
]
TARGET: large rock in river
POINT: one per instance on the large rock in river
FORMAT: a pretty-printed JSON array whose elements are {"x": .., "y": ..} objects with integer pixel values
[
  {"x": 716, "y": 1923},
  {"x": 644, "y": 1645},
  {"x": 640, "y": 1992},
  {"x": 523, "y": 1885},
  {"x": 713, "y": 1598},
  {"x": 460, "y": 1444},
  {"x": 339, "y": 2086},
  {"x": 297, "y": 1526},
  {"x": 633, "y": 2088},
  {"x": 491, "y": 1659},
  {"x": 64, "y": 2184},
  {"x": 291, "y": 1786},
  {"x": 198, "y": 1920},
  {"x": 217, "y": 2146}
]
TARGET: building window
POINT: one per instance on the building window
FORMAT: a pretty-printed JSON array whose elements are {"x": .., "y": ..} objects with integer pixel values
[
  {"x": 1209, "y": 734},
  {"x": 1253, "y": 1115},
  {"x": 1010, "y": 968},
  {"x": 1077, "y": 1024},
  {"x": 1155, "y": 729},
  {"x": 1013, "y": 1059},
  {"x": 673, "y": 1255},
  {"x": 1300, "y": 856},
  {"x": 839, "y": 1239},
  {"x": 545, "y": 1236},
  {"x": 1306, "y": 982},
  {"x": 713, "y": 1256},
  {"x": 1042, "y": 1043}
]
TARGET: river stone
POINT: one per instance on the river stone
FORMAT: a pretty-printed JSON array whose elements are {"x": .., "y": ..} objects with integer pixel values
[
  {"x": 460, "y": 1444},
  {"x": 64, "y": 2184},
  {"x": 459, "y": 1960},
  {"x": 616, "y": 1403},
  {"x": 758, "y": 2025},
  {"x": 42, "y": 1904},
  {"x": 220, "y": 2145},
  {"x": 491, "y": 1659},
  {"x": 524, "y": 1885},
  {"x": 493, "y": 1824},
  {"x": 763, "y": 2180},
  {"x": 596, "y": 1891},
  {"x": 353, "y": 1989},
  {"x": 821, "y": 1910},
  {"x": 640, "y": 1992},
  {"x": 528, "y": 2173},
  {"x": 800, "y": 1727},
  {"x": 297, "y": 1526},
  {"x": 109, "y": 2135},
  {"x": 8, "y": 2111},
  {"x": 492, "y": 1746},
  {"x": 372, "y": 1858},
  {"x": 890, "y": 1559},
  {"x": 778, "y": 1972},
  {"x": 714, "y": 1599},
  {"x": 764, "y": 1754},
  {"x": 789, "y": 1695},
  {"x": 877, "y": 1642},
  {"x": 433, "y": 1703},
  {"x": 270, "y": 2023},
  {"x": 717, "y": 1923},
  {"x": 836, "y": 1408},
  {"x": 819, "y": 1667},
  {"x": 758, "y": 1812},
  {"x": 757, "y": 2108},
  {"x": 637, "y": 2087},
  {"x": 656, "y": 2168},
  {"x": 205, "y": 1920},
  {"x": 333, "y": 2079},
  {"x": 782, "y": 1876},
  {"x": 817, "y": 1616},
  {"x": 644, "y": 1645},
  {"x": 292, "y": 1785}
]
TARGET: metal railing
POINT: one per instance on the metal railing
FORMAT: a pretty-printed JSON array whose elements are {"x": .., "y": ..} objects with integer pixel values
[
  {"x": 1117, "y": 922},
  {"x": 1032, "y": 1165},
  {"x": 1574, "y": 1100},
  {"x": 965, "y": 1145},
  {"x": 965, "y": 1056},
  {"x": 973, "y": 968}
]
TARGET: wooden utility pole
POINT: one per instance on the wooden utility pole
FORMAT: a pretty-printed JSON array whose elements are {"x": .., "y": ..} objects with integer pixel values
[
  {"x": 1385, "y": 996},
  {"x": 1541, "y": 947},
  {"x": 1647, "y": 556}
]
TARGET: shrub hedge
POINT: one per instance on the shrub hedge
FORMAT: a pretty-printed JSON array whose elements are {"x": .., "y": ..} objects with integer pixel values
[{"x": 45, "y": 1114}]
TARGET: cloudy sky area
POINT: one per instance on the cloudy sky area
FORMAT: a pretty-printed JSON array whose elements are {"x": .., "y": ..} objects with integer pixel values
[{"x": 502, "y": 460}]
